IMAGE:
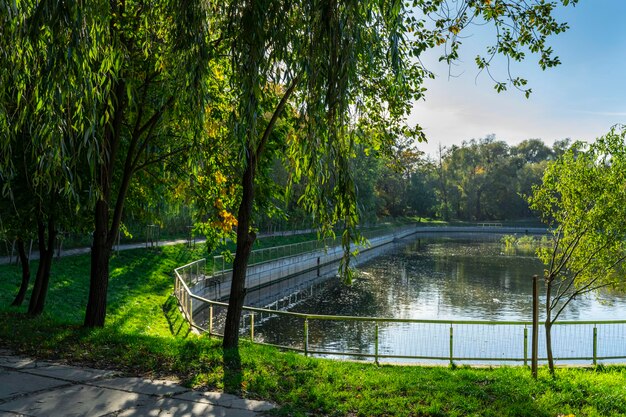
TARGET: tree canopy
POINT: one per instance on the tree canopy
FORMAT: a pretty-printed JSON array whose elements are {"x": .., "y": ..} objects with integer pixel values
[
  {"x": 112, "y": 97},
  {"x": 582, "y": 197}
]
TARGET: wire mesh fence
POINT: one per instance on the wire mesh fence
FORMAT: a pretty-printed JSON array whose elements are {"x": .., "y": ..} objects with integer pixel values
[
  {"x": 415, "y": 341},
  {"x": 380, "y": 339}
]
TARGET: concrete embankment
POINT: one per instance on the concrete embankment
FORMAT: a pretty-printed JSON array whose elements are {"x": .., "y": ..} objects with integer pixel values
[
  {"x": 322, "y": 263},
  {"x": 217, "y": 286}
]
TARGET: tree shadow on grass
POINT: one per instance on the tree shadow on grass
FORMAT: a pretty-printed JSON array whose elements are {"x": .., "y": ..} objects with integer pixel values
[
  {"x": 233, "y": 376},
  {"x": 178, "y": 325}
]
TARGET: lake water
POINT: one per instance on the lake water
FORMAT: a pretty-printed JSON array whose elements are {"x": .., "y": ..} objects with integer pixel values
[{"x": 441, "y": 279}]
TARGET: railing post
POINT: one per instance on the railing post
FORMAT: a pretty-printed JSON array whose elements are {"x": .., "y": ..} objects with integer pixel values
[
  {"x": 451, "y": 345},
  {"x": 525, "y": 345},
  {"x": 306, "y": 337},
  {"x": 376, "y": 344},
  {"x": 210, "y": 319},
  {"x": 191, "y": 311},
  {"x": 595, "y": 345},
  {"x": 252, "y": 327},
  {"x": 535, "y": 347}
]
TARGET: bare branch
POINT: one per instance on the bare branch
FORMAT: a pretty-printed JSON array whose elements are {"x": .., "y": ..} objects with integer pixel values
[
  {"x": 150, "y": 124},
  {"x": 576, "y": 294},
  {"x": 569, "y": 251},
  {"x": 161, "y": 158},
  {"x": 276, "y": 115},
  {"x": 156, "y": 116},
  {"x": 557, "y": 242}
]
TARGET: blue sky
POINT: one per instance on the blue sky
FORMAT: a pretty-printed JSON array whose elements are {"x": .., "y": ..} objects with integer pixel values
[{"x": 580, "y": 99}]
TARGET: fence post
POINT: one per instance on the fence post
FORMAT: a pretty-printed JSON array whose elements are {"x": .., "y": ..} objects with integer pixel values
[
  {"x": 191, "y": 311},
  {"x": 535, "y": 348},
  {"x": 525, "y": 345},
  {"x": 306, "y": 337},
  {"x": 595, "y": 345},
  {"x": 210, "y": 319},
  {"x": 451, "y": 344},
  {"x": 252, "y": 327},
  {"x": 376, "y": 344}
]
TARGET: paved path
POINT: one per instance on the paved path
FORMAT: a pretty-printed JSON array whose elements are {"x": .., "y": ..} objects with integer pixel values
[
  {"x": 46, "y": 389},
  {"x": 78, "y": 251}
]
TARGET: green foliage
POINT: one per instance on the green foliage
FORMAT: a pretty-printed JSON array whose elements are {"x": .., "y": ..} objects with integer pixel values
[
  {"x": 482, "y": 179},
  {"x": 525, "y": 243},
  {"x": 582, "y": 197},
  {"x": 117, "y": 102},
  {"x": 509, "y": 241}
]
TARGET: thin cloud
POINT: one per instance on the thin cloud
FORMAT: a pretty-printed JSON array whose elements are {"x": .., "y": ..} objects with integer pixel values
[{"x": 603, "y": 113}]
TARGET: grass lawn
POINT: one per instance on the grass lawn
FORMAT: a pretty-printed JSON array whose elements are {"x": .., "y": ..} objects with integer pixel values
[{"x": 145, "y": 335}]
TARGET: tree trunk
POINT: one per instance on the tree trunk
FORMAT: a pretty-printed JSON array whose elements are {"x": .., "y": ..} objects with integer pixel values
[
  {"x": 103, "y": 236},
  {"x": 478, "y": 214},
  {"x": 548, "y": 327},
  {"x": 245, "y": 240},
  {"x": 19, "y": 298},
  {"x": 99, "y": 277},
  {"x": 42, "y": 279},
  {"x": 442, "y": 185}
]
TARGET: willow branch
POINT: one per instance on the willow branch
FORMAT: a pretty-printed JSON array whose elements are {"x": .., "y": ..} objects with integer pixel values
[
  {"x": 161, "y": 158},
  {"x": 277, "y": 112}
]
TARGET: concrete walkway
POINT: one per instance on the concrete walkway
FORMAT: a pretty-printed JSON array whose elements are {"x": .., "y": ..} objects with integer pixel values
[
  {"x": 34, "y": 254},
  {"x": 79, "y": 251},
  {"x": 39, "y": 388}
]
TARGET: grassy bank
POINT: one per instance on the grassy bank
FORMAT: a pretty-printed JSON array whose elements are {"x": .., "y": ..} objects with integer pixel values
[{"x": 145, "y": 336}]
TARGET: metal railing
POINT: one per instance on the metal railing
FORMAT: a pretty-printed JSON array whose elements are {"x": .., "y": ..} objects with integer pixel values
[
  {"x": 272, "y": 265},
  {"x": 223, "y": 264},
  {"x": 414, "y": 340},
  {"x": 489, "y": 224},
  {"x": 408, "y": 340}
]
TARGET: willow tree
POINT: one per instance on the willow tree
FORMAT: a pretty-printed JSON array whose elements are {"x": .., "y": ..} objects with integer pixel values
[
  {"x": 124, "y": 78},
  {"x": 42, "y": 129},
  {"x": 582, "y": 198},
  {"x": 150, "y": 61},
  {"x": 349, "y": 68}
]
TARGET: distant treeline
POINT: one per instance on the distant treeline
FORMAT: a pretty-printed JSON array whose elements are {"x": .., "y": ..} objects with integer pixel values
[{"x": 484, "y": 179}]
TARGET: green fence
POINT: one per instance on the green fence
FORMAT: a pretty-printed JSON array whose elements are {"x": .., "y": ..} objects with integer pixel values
[
  {"x": 401, "y": 340},
  {"x": 410, "y": 340}
]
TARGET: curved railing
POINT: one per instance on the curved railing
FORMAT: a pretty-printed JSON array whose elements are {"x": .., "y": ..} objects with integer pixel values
[
  {"x": 405, "y": 340},
  {"x": 486, "y": 342}
]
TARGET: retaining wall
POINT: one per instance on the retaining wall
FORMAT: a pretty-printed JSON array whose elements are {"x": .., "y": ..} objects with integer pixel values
[{"x": 321, "y": 263}]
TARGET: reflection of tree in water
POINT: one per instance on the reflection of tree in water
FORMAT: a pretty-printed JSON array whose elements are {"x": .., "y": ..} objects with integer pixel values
[{"x": 474, "y": 279}]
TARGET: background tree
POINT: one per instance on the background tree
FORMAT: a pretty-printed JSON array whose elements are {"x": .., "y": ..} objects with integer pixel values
[
  {"x": 582, "y": 198},
  {"x": 120, "y": 83},
  {"x": 486, "y": 179},
  {"x": 43, "y": 125}
]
